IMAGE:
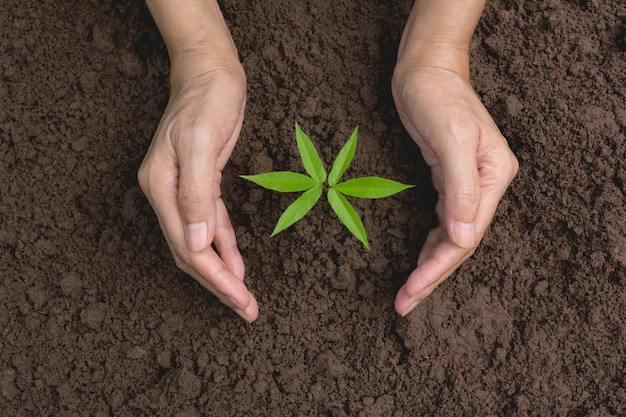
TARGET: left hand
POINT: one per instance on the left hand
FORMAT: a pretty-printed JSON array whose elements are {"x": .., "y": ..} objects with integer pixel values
[{"x": 471, "y": 166}]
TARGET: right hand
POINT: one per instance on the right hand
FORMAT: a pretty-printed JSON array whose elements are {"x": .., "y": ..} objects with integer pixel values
[{"x": 181, "y": 176}]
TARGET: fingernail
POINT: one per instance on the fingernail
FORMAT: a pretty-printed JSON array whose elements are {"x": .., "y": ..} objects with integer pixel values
[
  {"x": 196, "y": 236},
  {"x": 230, "y": 302},
  {"x": 464, "y": 234},
  {"x": 408, "y": 310},
  {"x": 242, "y": 314}
]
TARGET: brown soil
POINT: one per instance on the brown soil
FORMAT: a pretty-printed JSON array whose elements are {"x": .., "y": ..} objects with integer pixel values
[{"x": 97, "y": 320}]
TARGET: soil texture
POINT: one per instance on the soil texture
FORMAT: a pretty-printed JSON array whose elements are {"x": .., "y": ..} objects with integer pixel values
[{"x": 96, "y": 320}]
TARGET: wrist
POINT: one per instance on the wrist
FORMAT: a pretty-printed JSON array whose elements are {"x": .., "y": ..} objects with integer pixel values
[
  {"x": 436, "y": 55},
  {"x": 197, "y": 39},
  {"x": 438, "y": 34},
  {"x": 196, "y": 64}
]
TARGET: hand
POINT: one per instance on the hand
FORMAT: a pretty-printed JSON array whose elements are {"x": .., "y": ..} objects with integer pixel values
[
  {"x": 181, "y": 177},
  {"x": 471, "y": 166}
]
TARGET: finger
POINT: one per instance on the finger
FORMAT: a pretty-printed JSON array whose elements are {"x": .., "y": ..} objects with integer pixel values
[
  {"x": 159, "y": 181},
  {"x": 497, "y": 170},
  {"x": 440, "y": 257},
  {"x": 460, "y": 183},
  {"x": 197, "y": 151},
  {"x": 205, "y": 267},
  {"x": 434, "y": 236},
  {"x": 226, "y": 242},
  {"x": 251, "y": 313},
  {"x": 232, "y": 141},
  {"x": 444, "y": 259},
  {"x": 213, "y": 274}
]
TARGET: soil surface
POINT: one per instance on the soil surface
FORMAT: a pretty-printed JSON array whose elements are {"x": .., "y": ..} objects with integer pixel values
[{"x": 96, "y": 320}]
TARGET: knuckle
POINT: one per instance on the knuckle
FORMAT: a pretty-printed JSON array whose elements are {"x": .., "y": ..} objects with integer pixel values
[
  {"x": 514, "y": 166},
  {"x": 180, "y": 264},
  {"x": 468, "y": 196},
  {"x": 465, "y": 129},
  {"x": 188, "y": 130},
  {"x": 190, "y": 201},
  {"x": 509, "y": 167},
  {"x": 142, "y": 177},
  {"x": 401, "y": 83},
  {"x": 180, "y": 261},
  {"x": 233, "y": 78}
]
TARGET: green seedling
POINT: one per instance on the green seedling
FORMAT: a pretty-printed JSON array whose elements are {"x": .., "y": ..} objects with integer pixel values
[{"x": 314, "y": 185}]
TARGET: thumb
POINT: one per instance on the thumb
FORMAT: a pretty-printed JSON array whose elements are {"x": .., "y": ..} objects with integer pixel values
[
  {"x": 461, "y": 189},
  {"x": 196, "y": 189}
]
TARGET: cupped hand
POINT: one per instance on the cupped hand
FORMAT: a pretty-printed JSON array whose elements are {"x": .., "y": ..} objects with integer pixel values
[
  {"x": 471, "y": 166},
  {"x": 181, "y": 176}
]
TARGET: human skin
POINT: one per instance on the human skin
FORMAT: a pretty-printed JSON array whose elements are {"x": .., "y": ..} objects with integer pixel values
[
  {"x": 471, "y": 162},
  {"x": 182, "y": 170}
]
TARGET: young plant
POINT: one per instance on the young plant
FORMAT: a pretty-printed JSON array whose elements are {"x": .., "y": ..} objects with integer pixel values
[{"x": 313, "y": 186}]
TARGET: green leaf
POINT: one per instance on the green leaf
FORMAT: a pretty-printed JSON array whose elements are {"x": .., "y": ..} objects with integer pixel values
[
  {"x": 310, "y": 158},
  {"x": 343, "y": 160},
  {"x": 371, "y": 187},
  {"x": 298, "y": 209},
  {"x": 282, "y": 181},
  {"x": 348, "y": 216}
]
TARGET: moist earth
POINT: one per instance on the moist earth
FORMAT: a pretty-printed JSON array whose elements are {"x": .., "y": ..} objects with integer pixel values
[{"x": 96, "y": 319}]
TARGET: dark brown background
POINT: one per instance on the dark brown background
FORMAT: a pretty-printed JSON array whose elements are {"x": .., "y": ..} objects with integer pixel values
[{"x": 96, "y": 320}]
